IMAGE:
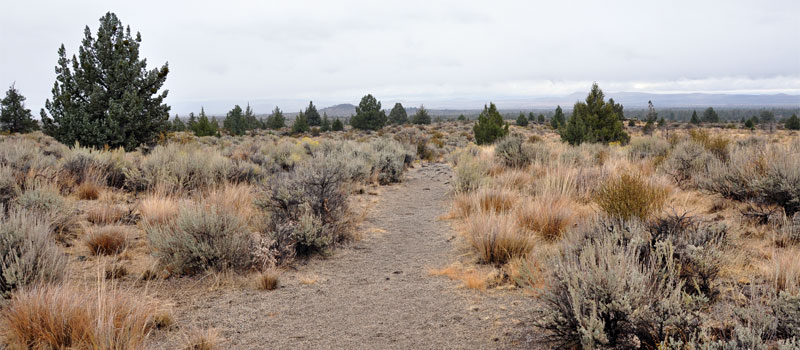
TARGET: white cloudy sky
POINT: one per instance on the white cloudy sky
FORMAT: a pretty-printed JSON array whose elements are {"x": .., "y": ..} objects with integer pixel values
[{"x": 421, "y": 51}]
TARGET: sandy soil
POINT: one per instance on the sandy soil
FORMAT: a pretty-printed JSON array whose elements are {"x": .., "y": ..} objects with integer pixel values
[{"x": 376, "y": 293}]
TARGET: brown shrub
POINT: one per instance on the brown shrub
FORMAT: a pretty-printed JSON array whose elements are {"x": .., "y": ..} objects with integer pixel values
[
  {"x": 268, "y": 280},
  {"x": 88, "y": 191},
  {"x": 630, "y": 195},
  {"x": 65, "y": 317},
  {"x": 495, "y": 200},
  {"x": 549, "y": 217},
  {"x": 198, "y": 339},
  {"x": 105, "y": 213},
  {"x": 158, "y": 209},
  {"x": 107, "y": 240}
]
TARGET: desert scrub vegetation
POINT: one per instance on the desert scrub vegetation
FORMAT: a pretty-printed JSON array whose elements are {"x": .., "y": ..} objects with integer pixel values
[
  {"x": 28, "y": 253},
  {"x": 646, "y": 245}
]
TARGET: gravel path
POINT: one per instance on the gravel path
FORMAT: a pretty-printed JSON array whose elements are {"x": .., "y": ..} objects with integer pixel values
[{"x": 377, "y": 293}]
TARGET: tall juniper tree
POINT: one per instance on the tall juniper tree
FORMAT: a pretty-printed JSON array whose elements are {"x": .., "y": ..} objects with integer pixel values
[
  {"x": 14, "y": 117},
  {"x": 594, "y": 120},
  {"x": 369, "y": 115},
  {"x": 398, "y": 114},
  {"x": 312, "y": 115},
  {"x": 105, "y": 95}
]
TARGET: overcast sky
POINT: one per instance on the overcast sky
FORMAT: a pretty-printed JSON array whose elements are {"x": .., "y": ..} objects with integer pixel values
[{"x": 421, "y": 51}]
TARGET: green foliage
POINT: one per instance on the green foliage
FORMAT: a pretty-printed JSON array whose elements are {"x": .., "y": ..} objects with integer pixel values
[
  {"x": 202, "y": 238},
  {"x": 14, "y": 117},
  {"x": 398, "y": 114},
  {"x": 337, "y": 125},
  {"x": 541, "y": 119},
  {"x": 203, "y": 126},
  {"x": 421, "y": 116},
  {"x": 46, "y": 202},
  {"x": 325, "y": 124},
  {"x": 250, "y": 119},
  {"x": 106, "y": 95},
  {"x": 300, "y": 124},
  {"x": 369, "y": 115},
  {"x": 710, "y": 116},
  {"x": 618, "y": 108},
  {"x": 312, "y": 115},
  {"x": 793, "y": 123},
  {"x": 558, "y": 120},
  {"x": 750, "y": 124},
  {"x": 514, "y": 152},
  {"x": 662, "y": 122},
  {"x": 521, "y": 120},
  {"x": 235, "y": 122},
  {"x": 27, "y": 252},
  {"x": 531, "y": 116},
  {"x": 276, "y": 120},
  {"x": 630, "y": 196},
  {"x": 594, "y": 121},
  {"x": 766, "y": 117},
  {"x": 695, "y": 120},
  {"x": 177, "y": 124},
  {"x": 490, "y": 126},
  {"x": 651, "y": 115},
  {"x": 461, "y": 118}
]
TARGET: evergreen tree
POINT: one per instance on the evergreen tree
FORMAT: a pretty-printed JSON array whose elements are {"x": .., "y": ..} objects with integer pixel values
[
  {"x": 631, "y": 123},
  {"x": 618, "y": 108},
  {"x": 521, "y": 120},
  {"x": 421, "y": 116},
  {"x": 204, "y": 127},
  {"x": 177, "y": 124},
  {"x": 710, "y": 116},
  {"x": 369, "y": 115},
  {"x": 766, "y": 116},
  {"x": 462, "y": 117},
  {"x": 235, "y": 122},
  {"x": 531, "y": 117},
  {"x": 312, "y": 115},
  {"x": 106, "y": 95},
  {"x": 191, "y": 125},
  {"x": 300, "y": 124},
  {"x": 594, "y": 121},
  {"x": 326, "y": 123},
  {"x": 337, "y": 125},
  {"x": 651, "y": 115},
  {"x": 648, "y": 127},
  {"x": 14, "y": 117},
  {"x": 662, "y": 122},
  {"x": 276, "y": 119},
  {"x": 398, "y": 114},
  {"x": 558, "y": 119},
  {"x": 695, "y": 120},
  {"x": 749, "y": 124},
  {"x": 250, "y": 119},
  {"x": 490, "y": 126},
  {"x": 542, "y": 119},
  {"x": 793, "y": 123}
]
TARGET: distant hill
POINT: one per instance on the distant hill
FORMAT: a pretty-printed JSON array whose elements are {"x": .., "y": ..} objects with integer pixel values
[{"x": 340, "y": 110}]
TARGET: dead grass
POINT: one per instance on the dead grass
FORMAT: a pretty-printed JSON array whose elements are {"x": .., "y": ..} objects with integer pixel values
[
  {"x": 157, "y": 209},
  {"x": 269, "y": 280},
  {"x": 61, "y": 317},
  {"x": 105, "y": 213},
  {"x": 201, "y": 339},
  {"x": 470, "y": 277},
  {"x": 107, "y": 240},
  {"x": 496, "y": 238},
  {"x": 631, "y": 195},
  {"x": 88, "y": 191},
  {"x": 547, "y": 216}
]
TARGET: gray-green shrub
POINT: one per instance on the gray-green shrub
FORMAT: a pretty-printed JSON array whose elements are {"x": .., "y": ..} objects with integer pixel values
[
  {"x": 648, "y": 147},
  {"x": 27, "y": 252},
  {"x": 686, "y": 160},
  {"x": 45, "y": 200}
]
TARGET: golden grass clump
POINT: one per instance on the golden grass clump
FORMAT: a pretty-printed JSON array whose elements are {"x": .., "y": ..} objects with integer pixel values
[
  {"x": 88, "y": 191},
  {"x": 105, "y": 213},
  {"x": 201, "y": 339},
  {"x": 496, "y": 200},
  {"x": 631, "y": 195},
  {"x": 67, "y": 317},
  {"x": 158, "y": 209},
  {"x": 268, "y": 280},
  {"x": 107, "y": 240},
  {"x": 496, "y": 238},
  {"x": 547, "y": 216}
]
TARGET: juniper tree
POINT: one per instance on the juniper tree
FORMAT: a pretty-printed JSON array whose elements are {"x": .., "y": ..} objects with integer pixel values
[
  {"x": 710, "y": 116},
  {"x": 521, "y": 120},
  {"x": 531, "y": 117},
  {"x": 421, "y": 116},
  {"x": 793, "y": 123},
  {"x": 651, "y": 115},
  {"x": 250, "y": 118},
  {"x": 312, "y": 115},
  {"x": 191, "y": 124},
  {"x": 369, "y": 115},
  {"x": 558, "y": 119},
  {"x": 205, "y": 127},
  {"x": 326, "y": 123},
  {"x": 300, "y": 124},
  {"x": 177, "y": 124},
  {"x": 462, "y": 117},
  {"x": 14, "y": 117},
  {"x": 695, "y": 119},
  {"x": 398, "y": 114},
  {"x": 618, "y": 108},
  {"x": 235, "y": 122},
  {"x": 105, "y": 95},
  {"x": 594, "y": 121},
  {"x": 276, "y": 119},
  {"x": 541, "y": 118},
  {"x": 337, "y": 125},
  {"x": 490, "y": 126}
]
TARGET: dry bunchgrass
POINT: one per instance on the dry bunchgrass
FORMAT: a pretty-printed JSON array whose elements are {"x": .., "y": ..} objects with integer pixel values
[
  {"x": 549, "y": 217},
  {"x": 470, "y": 277},
  {"x": 783, "y": 270},
  {"x": 68, "y": 317},
  {"x": 105, "y": 213},
  {"x": 107, "y": 240},
  {"x": 268, "y": 280},
  {"x": 631, "y": 195},
  {"x": 157, "y": 209},
  {"x": 88, "y": 190},
  {"x": 236, "y": 198},
  {"x": 201, "y": 339},
  {"x": 497, "y": 200},
  {"x": 496, "y": 238}
]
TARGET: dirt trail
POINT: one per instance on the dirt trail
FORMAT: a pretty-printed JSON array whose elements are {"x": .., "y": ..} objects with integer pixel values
[{"x": 377, "y": 293}]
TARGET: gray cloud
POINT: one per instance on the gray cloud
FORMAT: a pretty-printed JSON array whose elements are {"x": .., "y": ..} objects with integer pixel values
[{"x": 423, "y": 50}]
